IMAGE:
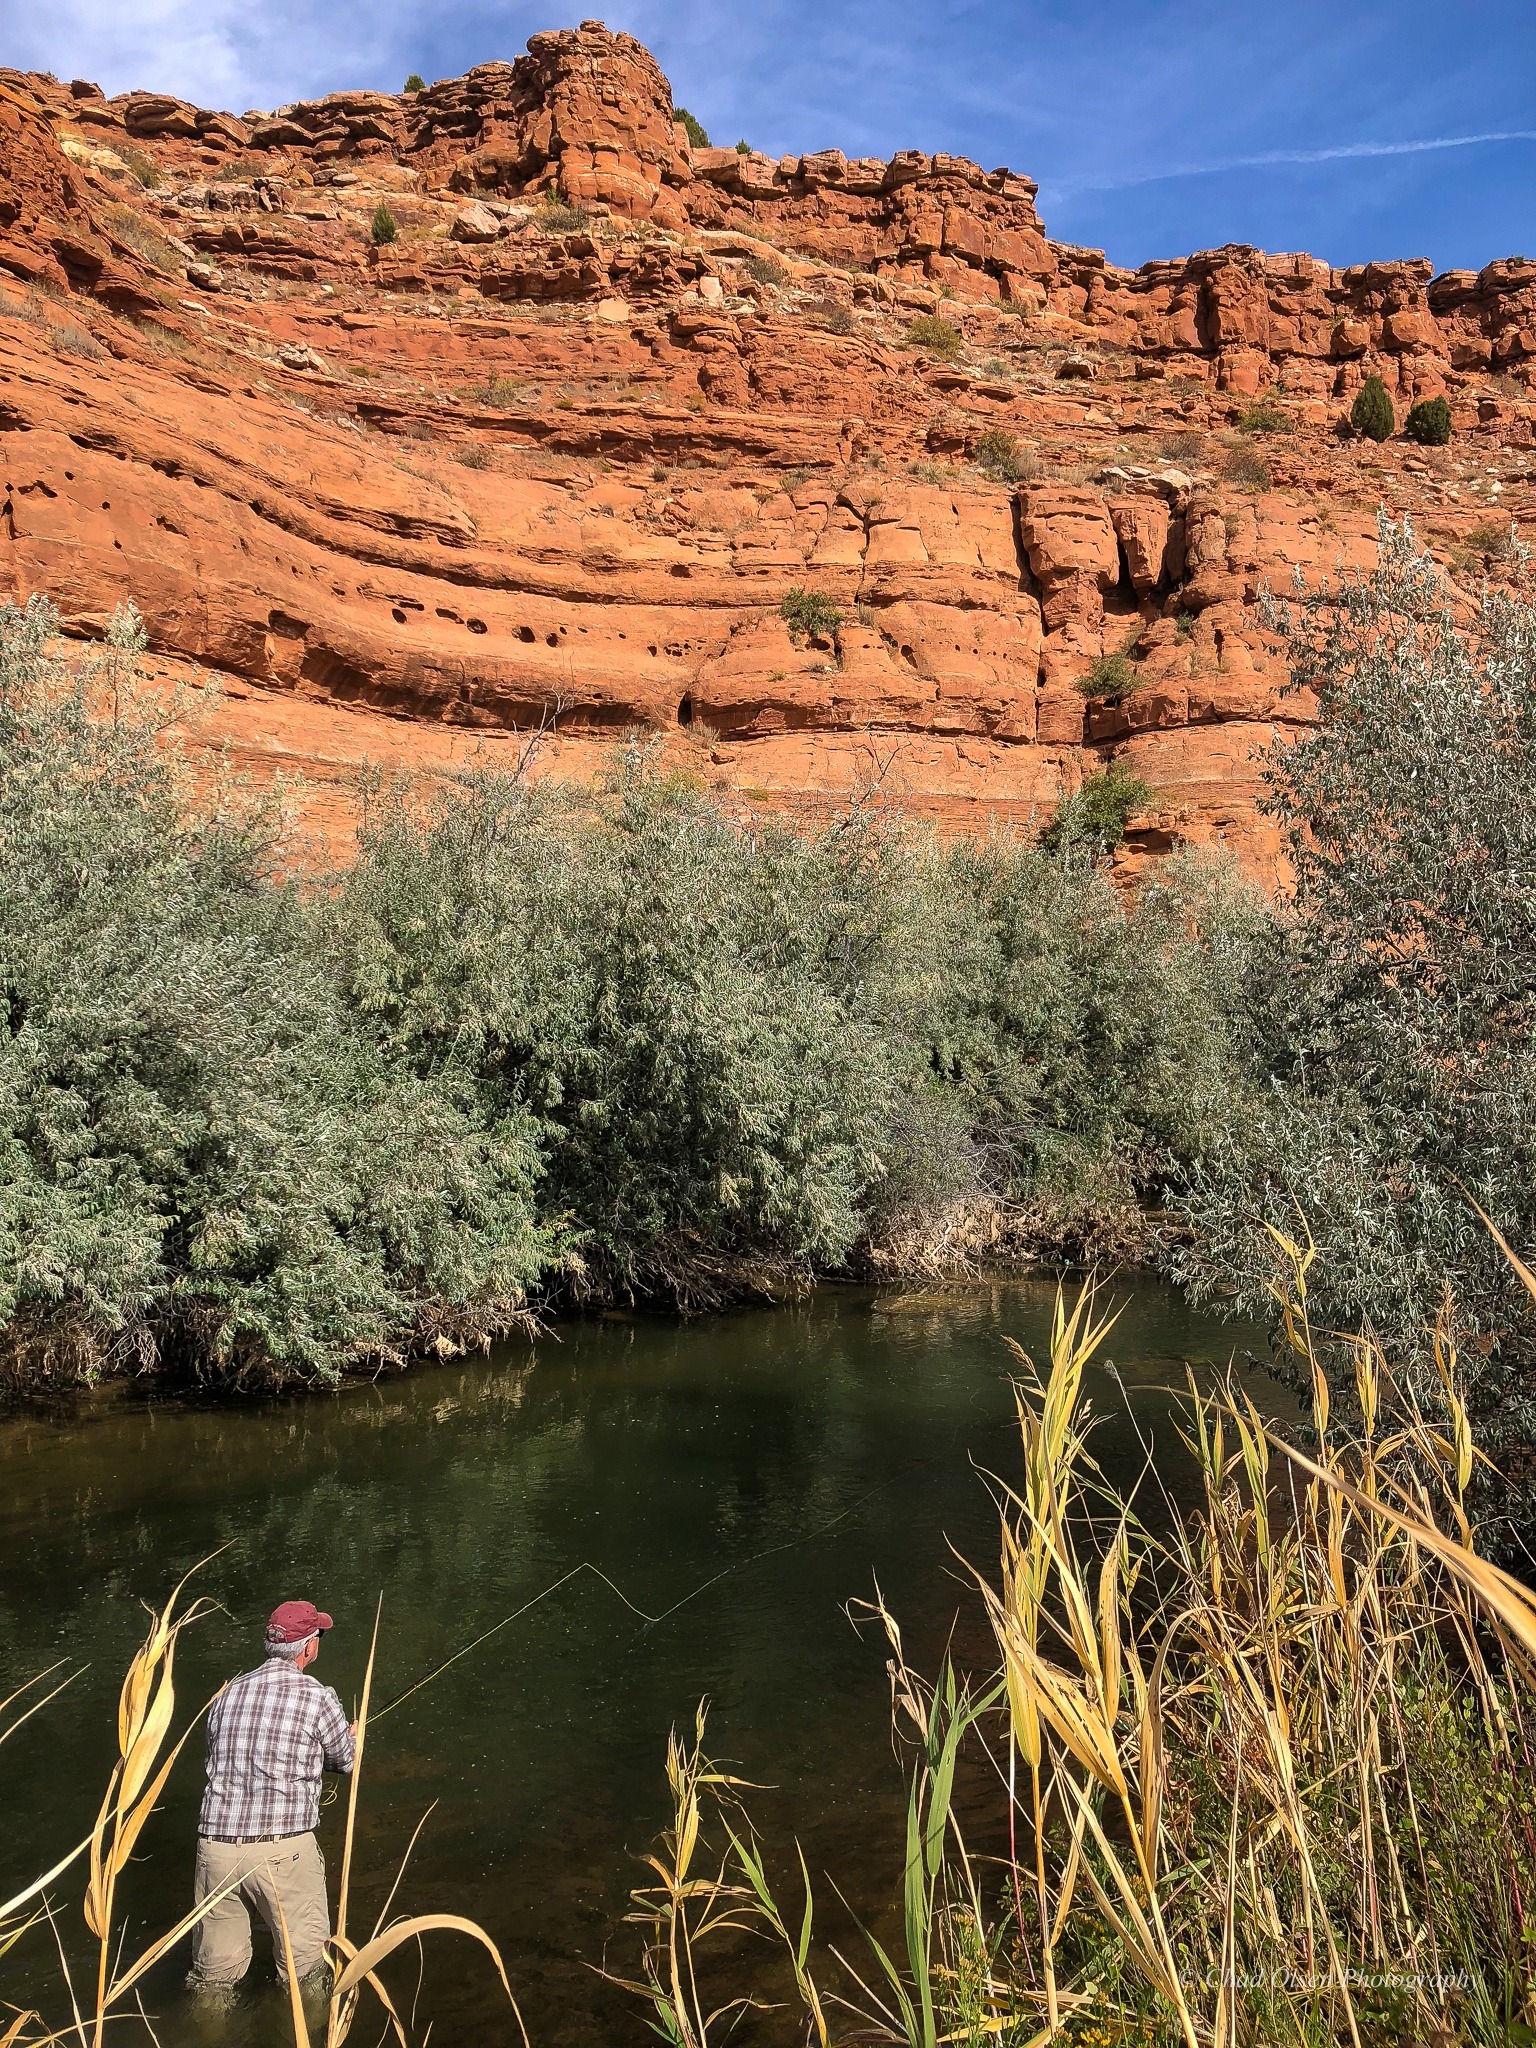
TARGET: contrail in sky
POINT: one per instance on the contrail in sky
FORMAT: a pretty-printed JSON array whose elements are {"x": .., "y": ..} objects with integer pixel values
[{"x": 1331, "y": 154}]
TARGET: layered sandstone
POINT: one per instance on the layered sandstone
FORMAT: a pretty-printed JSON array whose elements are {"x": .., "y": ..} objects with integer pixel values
[{"x": 549, "y": 459}]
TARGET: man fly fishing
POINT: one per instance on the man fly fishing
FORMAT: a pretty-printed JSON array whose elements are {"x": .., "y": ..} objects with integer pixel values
[{"x": 272, "y": 1732}]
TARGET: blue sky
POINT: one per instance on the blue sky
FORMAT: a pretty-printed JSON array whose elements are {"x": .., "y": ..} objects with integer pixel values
[{"x": 1154, "y": 127}]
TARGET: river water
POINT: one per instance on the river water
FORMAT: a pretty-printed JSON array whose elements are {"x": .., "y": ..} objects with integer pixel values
[{"x": 746, "y": 1477}]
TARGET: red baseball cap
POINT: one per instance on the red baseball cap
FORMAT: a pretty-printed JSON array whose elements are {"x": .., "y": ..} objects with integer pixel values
[{"x": 295, "y": 1622}]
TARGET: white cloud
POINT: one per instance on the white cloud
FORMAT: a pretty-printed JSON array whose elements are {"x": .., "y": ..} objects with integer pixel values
[{"x": 220, "y": 53}]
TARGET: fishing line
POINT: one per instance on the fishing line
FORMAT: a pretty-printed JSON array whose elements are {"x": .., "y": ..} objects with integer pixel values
[{"x": 650, "y": 1620}]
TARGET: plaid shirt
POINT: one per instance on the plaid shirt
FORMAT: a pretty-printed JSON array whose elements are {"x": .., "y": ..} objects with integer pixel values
[{"x": 271, "y": 1732}]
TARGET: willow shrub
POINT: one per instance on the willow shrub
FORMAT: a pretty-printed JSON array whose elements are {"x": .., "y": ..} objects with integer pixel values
[
  {"x": 751, "y": 1047},
  {"x": 542, "y": 1043},
  {"x": 207, "y": 1161},
  {"x": 648, "y": 983},
  {"x": 1389, "y": 1025}
]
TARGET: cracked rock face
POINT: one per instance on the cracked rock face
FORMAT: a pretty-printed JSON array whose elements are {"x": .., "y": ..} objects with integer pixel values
[{"x": 426, "y": 422}]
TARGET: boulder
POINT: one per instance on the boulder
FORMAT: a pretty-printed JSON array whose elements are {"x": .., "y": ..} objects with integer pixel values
[{"x": 475, "y": 223}]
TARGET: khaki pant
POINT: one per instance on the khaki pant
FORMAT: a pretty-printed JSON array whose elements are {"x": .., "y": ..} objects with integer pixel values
[{"x": 290, "y": 1871}]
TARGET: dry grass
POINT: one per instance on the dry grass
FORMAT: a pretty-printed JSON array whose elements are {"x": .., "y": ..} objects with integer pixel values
[
  {"x": 146, "y": 240},
  {"x": 1263, "y": 1779}
]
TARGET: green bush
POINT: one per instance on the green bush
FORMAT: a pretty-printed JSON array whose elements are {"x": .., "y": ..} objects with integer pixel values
[
  {"x": 1388, "y": 1025},
  {"x": 697, "y": 137},
  {"x": 937, "y": 336},
  {"x": 998, "y": 454},
  {"x": 539, "y": 1043},
  {"x": 809, "y": 615},
  {"x": 1372, "y": 414},
  {"x": 1112, "y": 676},
  {"x": 751, "y": 1050},
  {"x": 415, "y": 83},
  {"x": 1093, "y": 817},
  {"x": 1263, "y": 417},
  {"x": 499, "y": 391},
  {"x": 144, "y": 168},
  {"x": 1429, "y": 423},
  {"x": 743, "y": 148},
  {"x": 384, "y": 227},
  {"x": 557, "y": 216},
  {"x": 208, "y": 1161}
]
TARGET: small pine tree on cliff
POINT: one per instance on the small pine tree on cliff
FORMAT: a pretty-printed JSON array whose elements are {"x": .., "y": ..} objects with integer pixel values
[
  {"x": 384, "y": 228},
  {"x": 1372, "y": 414},
  {"x": 698, "y": 135},
  {"x": 1429, "y": 423},
  {"x": 415, "y": 83}
]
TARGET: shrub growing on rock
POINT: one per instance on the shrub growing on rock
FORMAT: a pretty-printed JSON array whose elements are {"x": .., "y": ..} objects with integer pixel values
[
  {"x": 1093, "y": 818},
  {"x": 697, "y": 136},
  {"x": 1245, "y": 465},
  {"x": 936, "y": 335},
  {"x": 1187, "y": 447},
  {"x": 763, "y": 270},
  {"x": 833, "y": 316},
  {"x": 998, "y": 454},
  {"x": 1429, "y": 423},
  {"x": 809, "y": 614},
  {"x": 1372, "y": 414},
  {"x": 384, "y": 227},
  {"x": 415, "y": 83},
  {"x": 1112, "y": 676},
  {"x": 143, "y": 167},
  {"x": 1264, "y": 417},
  {"x": 557, "y": 216}
]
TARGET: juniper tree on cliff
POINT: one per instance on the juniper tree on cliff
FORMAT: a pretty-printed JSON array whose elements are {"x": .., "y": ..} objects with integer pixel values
[{"x": 1392, "y": 1020}]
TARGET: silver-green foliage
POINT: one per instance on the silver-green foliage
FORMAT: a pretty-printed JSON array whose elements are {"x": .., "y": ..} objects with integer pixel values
[
  {"x": 747, "y": 1044},
  {"x": 648, "y": 981},
  {"x": 537, "y": 1040},
  {"x": 205, "y": 1162},
  {"x": 1391, "y": 1046}
]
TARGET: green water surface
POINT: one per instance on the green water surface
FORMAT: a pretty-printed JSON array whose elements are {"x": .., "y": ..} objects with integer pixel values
[{"x": 790, "y": 1456}]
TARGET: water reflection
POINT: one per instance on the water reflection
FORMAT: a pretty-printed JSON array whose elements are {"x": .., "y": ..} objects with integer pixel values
[{"x": 744, "y": 1478}]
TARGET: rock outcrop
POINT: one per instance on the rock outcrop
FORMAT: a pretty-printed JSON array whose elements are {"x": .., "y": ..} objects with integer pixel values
[{"x": 428, "y": 421}]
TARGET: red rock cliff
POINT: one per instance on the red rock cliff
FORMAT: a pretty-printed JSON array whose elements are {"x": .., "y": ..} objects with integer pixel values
[{"x": 552, "y": 455}]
